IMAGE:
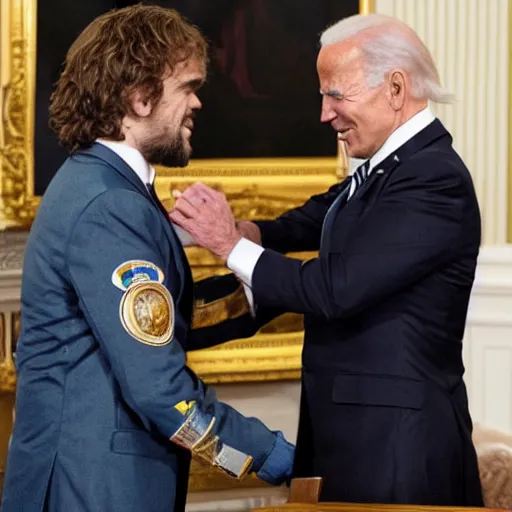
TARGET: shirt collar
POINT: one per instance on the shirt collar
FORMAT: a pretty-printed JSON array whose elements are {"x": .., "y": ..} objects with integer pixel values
[
  {"x": 401, "y": 135},
  {"x": 133, "y": 158}
]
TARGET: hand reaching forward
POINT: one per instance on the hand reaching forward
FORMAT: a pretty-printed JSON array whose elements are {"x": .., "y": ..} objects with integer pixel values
[{"x": 207, "y": 216}]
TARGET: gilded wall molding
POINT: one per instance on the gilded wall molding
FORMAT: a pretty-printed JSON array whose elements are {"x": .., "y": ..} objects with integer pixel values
[
  {"x": 9, "y": 330},
  {"x": 366, "y": 6},
  {"x": 243, "y": 167},
  {"x": 18, "y": 103}
]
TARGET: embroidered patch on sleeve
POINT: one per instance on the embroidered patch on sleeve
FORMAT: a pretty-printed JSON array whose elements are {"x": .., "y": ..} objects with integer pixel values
[
  {"x": 147, "y": 308},
  {"x": 185, "y": 407}
]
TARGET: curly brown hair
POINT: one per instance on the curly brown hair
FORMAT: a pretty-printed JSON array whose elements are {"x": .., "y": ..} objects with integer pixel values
[{"x": 118, "y": 53}]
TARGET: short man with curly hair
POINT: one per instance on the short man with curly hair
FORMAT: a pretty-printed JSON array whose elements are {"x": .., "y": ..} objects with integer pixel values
[{"x": 107, "y": 412}]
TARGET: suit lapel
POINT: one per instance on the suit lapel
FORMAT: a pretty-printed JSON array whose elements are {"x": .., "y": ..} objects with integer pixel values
[
  {"x": 105, "y": 154},
  {"x": 362, "y": 198},
  {"x": 333, "y": 211},
  {"x": 375, "y": 180},
  {"x": 431, "y": 133},
  {"x": 108, "y": 156}
]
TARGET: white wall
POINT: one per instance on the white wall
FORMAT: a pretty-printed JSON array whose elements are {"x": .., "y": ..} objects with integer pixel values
[
  {"x": 488, "y": 340},
  {"x": 469, "y": 40}
]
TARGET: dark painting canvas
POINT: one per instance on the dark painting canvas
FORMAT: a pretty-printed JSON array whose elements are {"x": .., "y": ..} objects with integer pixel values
[{"x": 261, "y": 98}]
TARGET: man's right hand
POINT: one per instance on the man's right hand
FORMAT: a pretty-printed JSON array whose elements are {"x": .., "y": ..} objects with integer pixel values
[
  {"x": 278, "y": 467},
  {"x": 249, "y": 230}
]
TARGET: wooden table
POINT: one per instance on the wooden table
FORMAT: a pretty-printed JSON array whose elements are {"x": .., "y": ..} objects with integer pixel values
[
  {"x": 366, "y": 507},
  {"x": 304, "y": 494}
]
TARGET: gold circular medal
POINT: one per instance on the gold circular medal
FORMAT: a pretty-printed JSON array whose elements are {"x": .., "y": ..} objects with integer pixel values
[{"x": 147, "y": 313}]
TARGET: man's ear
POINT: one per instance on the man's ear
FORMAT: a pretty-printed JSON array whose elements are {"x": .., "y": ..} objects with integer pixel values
[
  {"x": 397, "y": 89},
  {"x": 140, "y": 104}
]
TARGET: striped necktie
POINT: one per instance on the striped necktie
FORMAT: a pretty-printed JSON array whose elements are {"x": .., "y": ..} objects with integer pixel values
[
  {"x": 358, "y": 178},
  {"x": 156, "y": 200}
]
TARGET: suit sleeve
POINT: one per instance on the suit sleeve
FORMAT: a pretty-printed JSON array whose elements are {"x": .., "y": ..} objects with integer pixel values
[
  {"x": 414, "y": 227},
  {"x": 118, "y": 227},
  {"x": 299, "y": 229}
]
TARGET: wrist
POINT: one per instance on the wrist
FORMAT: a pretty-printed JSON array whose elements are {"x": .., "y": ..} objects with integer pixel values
[{"x": 226, "y": 249}]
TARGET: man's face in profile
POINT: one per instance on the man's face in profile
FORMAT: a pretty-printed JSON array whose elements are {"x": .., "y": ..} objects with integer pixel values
[
  {"x": 168, "y": 129},
  {"x": 362, "y": 116}
]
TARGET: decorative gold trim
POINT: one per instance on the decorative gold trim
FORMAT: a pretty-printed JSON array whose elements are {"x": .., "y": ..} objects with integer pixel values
[
  {"x": 366, "y": 6},
  {"x": 243, "y": 167},
  {"x": 204, "y": 477},
  {"x": 18, "y": 113},
  {"x": 196, "y": 434},
  {"x": 212, "y": 313},
  {"x": 195, "y": 430},
  {"x": 150, "y": 303},
  {"x": 273, "y": 356},
  {"x": 9, "y": 325}
]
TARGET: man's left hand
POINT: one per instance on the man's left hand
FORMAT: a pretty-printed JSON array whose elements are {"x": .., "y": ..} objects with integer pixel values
[{"x": 207, "y": 216}]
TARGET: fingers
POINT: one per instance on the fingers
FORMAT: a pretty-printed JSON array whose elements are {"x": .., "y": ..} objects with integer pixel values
[
  {"x": 185, "y": 207},
  {"x": 178, "y": 218},
  {"x": 190, "y": 195},
  {"x": 198, "y": 193},
  {"x": 207, "y": 192}
]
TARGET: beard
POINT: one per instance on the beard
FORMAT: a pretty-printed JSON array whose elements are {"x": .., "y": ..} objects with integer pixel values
[{"x": 168, "y": 151}]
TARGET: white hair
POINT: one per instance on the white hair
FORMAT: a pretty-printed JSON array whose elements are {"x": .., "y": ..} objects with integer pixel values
[{"x": 388, "y": 45}]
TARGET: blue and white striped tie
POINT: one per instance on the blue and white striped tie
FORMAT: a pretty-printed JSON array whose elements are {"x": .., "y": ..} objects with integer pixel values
[
  {"x": 358, "y": 177},
  {"x": 356, "y": 180}
]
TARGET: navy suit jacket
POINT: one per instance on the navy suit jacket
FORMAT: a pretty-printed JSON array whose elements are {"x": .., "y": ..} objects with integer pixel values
[
  {"x": 384, "y": 413},
  {"x": 95, "y": 405}
]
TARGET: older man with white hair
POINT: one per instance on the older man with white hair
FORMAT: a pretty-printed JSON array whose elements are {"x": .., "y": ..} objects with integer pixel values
[{"x": 384, "y": 412}]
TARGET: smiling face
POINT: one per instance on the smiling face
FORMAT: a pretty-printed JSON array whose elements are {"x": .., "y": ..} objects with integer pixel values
[
  {"x": 164, "y": 131},
  {"x": 363, "y": 117}
]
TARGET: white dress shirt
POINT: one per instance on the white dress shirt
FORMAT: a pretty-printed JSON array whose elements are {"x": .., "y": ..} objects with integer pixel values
[{"x": 245, "y": 254}]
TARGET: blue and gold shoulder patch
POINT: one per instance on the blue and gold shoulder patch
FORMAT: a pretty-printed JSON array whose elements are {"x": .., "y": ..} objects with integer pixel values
[
  {"x": 135, "y": 271},
  {"x": 146, "y": 310}
]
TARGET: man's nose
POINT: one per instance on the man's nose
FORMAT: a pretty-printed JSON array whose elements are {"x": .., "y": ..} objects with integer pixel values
[
  {"x": 195, "y": 103},
  {"x": 327, "y": 114}
]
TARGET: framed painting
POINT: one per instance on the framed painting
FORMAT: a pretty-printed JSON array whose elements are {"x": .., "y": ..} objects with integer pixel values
[{"x": 258, "y": 137}]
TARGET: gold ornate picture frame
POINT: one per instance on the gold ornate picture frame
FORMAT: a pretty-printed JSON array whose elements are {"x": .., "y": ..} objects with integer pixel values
[{"x": 256, "y": 188}]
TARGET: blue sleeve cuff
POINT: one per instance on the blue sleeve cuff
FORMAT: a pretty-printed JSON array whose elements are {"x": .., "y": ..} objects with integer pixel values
[{"x": 277, "y": 468}]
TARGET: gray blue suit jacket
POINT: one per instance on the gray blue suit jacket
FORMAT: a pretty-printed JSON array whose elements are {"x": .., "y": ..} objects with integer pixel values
[{"x": 102, "y": 378}]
